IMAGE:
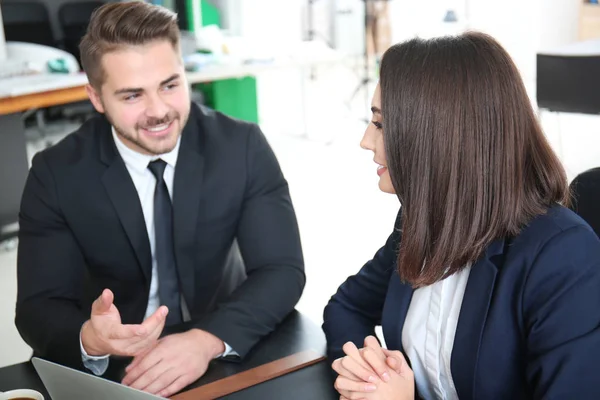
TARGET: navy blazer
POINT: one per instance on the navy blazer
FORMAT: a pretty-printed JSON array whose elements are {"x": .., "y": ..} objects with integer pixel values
[{"x": 529, "y": 326}]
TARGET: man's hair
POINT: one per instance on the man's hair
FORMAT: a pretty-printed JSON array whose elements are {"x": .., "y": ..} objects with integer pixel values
[
  {"x": 117, "y": 25},
  {"x": 465, "y": 152}
]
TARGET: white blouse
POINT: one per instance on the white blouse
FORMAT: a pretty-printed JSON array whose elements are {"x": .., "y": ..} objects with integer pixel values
[{"x": 428, "y": 334}]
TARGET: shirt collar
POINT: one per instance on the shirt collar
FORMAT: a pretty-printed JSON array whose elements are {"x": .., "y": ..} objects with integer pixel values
[{"x": 139, "y": 161}]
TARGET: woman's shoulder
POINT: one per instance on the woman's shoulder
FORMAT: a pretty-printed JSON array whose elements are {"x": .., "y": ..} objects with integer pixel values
[
  {"x": 559, "y": 237},
  {"x": 556, "y": 221}
]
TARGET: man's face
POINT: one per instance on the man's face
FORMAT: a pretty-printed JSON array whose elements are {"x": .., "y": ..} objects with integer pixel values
[{"x": 145, "y": 96}]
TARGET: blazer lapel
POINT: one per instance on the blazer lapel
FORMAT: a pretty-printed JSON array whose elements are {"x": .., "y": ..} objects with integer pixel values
[
  {"x": 471, "y": 322},
  {"x": 187, "y": 191},
  {"x": 125, "y": 200},
  {"x": 395, "y": 310}
]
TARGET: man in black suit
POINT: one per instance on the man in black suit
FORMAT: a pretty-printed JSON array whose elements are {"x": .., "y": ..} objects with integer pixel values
[{"x": 128, "y": 224}]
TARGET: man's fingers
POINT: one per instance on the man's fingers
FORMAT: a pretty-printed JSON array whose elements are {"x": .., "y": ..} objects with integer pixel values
[
  {"x": 126, "y": 332},
  {"x": 343, "y": 383},
  {"x": 102, "y": 304},
  {"x": 157, "y": 319},
  {"x": 149, "y": 376},
  {"x": 153, "y": 323},
  {"x": 137, "y": 359},
  {"x": 378, "y": 364},
  {"x": 176, "y": 386},
  {"x": 146, "y": 363},
  {"x": 154, "y": 334},
  {"x": 163, "y": 381}
]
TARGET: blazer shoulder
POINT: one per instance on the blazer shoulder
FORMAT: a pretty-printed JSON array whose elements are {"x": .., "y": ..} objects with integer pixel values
[
  {"x": 221, "y": 125},
  {"x": 556, "y": 220},
  {"x": 559, "y": 237},
  {"x": 76, "y": 145}
]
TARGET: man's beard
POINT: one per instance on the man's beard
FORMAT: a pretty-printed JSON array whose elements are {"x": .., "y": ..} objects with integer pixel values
[{"x": 157, "y": 149}]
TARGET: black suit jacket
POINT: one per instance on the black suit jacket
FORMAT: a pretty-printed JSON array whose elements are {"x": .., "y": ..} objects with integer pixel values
[{"x": 82, "y": 230}]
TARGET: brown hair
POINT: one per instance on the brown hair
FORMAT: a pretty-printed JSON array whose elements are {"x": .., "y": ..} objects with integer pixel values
[
  {"x": 466, "y": 155},
  {"x": 115, "y": 25}
]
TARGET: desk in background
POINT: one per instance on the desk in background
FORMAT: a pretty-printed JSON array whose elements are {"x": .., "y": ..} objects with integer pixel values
[
  {"x": 24, "y": 93},
  {"x": 296, "y": 334}
]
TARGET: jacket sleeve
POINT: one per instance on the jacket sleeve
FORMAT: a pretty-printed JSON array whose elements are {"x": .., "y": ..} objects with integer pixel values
[
  {"x": 50, "y": 269},
  {"x": 355, "y": 310},
  {"x": 269, "y": 243}
]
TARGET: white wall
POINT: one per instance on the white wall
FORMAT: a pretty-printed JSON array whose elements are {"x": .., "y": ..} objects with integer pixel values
[
  {"x": 523, "y": 27},
  {"x": 271, "y": 25},
  {"x": 559, "y": 23}
]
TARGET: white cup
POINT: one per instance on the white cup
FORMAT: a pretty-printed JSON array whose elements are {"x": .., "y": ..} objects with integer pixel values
[{"x": 26, "y": 393}]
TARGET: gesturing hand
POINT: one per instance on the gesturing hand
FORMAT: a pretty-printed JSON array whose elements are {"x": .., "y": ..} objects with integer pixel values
[{"x": 104, "y": 333}]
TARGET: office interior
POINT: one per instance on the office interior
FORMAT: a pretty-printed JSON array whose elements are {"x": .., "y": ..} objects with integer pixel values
[{"x": 325, "y": 59}]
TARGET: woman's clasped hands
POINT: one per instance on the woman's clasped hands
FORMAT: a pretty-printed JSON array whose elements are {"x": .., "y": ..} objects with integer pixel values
[{"x": 373, "y": 373}]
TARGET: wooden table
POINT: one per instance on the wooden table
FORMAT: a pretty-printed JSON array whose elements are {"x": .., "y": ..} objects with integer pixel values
[{"x": 10, "y": 105}]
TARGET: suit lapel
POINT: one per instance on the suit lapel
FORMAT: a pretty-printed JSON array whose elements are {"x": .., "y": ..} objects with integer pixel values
[
  {"x": 125, "y": 200},
  {"x": 395, "y": 310},
  {"x": 471, "y": 322},
  {"x": 187, "y": 192}
]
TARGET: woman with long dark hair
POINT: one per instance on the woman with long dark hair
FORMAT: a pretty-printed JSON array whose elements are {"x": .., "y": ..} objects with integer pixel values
[{"x": 488, "y": 287}]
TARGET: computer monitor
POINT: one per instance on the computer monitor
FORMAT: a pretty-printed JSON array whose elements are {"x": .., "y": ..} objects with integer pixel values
[{"x": 2, "y": 40}]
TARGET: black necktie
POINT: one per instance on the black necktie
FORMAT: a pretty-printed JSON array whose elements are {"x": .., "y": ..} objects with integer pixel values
[{"x": 168, "y": 284}]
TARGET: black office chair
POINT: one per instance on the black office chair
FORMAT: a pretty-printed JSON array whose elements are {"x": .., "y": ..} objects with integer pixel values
[
  {"x": 74, "y": 18},
  {"x": 585, "y": 190},
  {"x": 27, "y": 21},
  {"x": 14, "y": 168}
]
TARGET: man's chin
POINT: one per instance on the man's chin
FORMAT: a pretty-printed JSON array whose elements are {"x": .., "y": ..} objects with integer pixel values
[
  {"x": 157, "y": 144},
  {"x": 160, "y": 148}
]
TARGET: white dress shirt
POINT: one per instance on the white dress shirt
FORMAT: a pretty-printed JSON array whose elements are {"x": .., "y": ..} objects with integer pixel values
[
  {"x": 428, "y": 334},
  {"x": 145, "y": 183}
]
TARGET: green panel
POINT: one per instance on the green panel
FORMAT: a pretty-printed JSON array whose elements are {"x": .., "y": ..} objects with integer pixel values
[
  {"x": 234, "y": 97},
  {"x": 189, "y": 6},
  {"x": 237, "y": 97},
  {"x": 210, "y": 14}
]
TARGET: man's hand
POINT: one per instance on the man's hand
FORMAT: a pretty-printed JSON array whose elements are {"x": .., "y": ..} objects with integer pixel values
[
  {"x": 175, "y": 362},
  {"x": 373, "y": 373},
  {"x": 104, "y": 334}
]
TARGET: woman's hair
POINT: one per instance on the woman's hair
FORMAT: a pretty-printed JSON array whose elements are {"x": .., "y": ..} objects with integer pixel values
[{"x": 466, "y": 155}]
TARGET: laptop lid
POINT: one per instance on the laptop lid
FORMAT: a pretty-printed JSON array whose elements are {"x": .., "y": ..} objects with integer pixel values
[{"x": 64, "y": 383}]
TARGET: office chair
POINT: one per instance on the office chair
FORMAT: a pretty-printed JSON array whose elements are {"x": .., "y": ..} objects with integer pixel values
[
  {"x": 74, "y": 18},
  {"x": 14, "y": 167},
  {"x": 585, "y": 192},
  {"x": 27, "y": 21}
]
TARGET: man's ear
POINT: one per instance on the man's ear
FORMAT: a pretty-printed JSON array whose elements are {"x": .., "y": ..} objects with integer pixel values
[{"x": 94, "y": 98}]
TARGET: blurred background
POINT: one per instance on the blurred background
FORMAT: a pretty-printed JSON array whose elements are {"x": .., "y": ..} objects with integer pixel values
[{"x": 305, "y": 71}]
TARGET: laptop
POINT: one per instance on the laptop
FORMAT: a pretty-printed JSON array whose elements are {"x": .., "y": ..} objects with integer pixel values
[{"x": 64, "y": 383}]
